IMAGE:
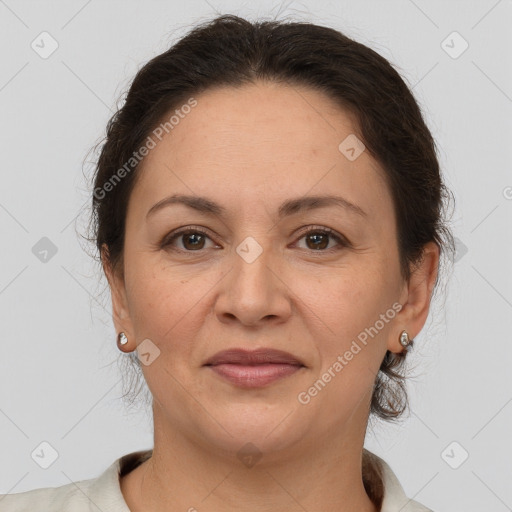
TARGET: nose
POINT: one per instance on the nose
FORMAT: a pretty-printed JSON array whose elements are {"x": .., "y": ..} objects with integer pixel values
[{"x": 254, "y": 293}]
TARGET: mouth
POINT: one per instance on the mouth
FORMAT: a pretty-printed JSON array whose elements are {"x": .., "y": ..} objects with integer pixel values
[{"x": 256, "y": 368}]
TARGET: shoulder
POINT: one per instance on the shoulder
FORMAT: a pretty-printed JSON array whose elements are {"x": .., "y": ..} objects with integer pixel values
[
  {"x": 70, "y": 497},
  {"x": 101, "y": 493},
  {"x": 394, "y": 498}
]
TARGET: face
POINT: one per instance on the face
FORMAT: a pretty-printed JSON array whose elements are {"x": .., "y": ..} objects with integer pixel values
[{"x": 261, "y": 266}]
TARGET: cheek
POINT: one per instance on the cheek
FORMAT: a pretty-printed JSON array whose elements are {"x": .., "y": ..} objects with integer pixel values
[
  {"x": 167, "y": 305},
  {"x": 350, "y": 338},
  {"x": 347, "y": 300},
  {"x": 351, "y": 313}
]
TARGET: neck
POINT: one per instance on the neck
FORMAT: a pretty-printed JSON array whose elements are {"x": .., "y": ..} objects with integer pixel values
[{"x": 325, "y": 474}]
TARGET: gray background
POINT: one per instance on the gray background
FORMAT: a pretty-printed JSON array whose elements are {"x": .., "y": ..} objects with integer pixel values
[{"x": 59, "y": 380}]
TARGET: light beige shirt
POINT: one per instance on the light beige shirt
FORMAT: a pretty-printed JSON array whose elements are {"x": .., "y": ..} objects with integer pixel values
[{"x": 103, "y": 494}]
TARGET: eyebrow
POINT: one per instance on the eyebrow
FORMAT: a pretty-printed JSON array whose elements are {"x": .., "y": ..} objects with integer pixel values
[{"x": 289, "y": 207}]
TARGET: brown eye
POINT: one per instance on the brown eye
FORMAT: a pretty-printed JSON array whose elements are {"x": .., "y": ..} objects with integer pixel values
[
  {"x": 317, "y": 240},
  {"x": 320, "y": 240},
  {"x": 193, "y": 241},
  {"x": 187, "y": 240}
]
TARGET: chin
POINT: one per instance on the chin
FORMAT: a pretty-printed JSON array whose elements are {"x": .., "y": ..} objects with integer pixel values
[{"x": 261, "y": 429}]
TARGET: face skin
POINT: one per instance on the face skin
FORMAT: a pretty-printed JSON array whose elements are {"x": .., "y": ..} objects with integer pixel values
[{"x": 249, "y": 150}]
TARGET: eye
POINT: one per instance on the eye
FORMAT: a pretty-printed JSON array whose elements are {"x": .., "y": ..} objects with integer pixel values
[
  {"x": 317, "y": 239},
  {"x": 191, "y": 239}
]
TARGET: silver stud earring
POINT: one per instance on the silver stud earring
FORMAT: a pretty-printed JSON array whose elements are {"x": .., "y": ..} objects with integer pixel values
[
  {"x": 404, "y": 339},
  {"x": 122, "y": 340}
]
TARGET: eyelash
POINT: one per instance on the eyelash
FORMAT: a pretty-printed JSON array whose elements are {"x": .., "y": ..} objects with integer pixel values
[{"x": 342, "y": 241}]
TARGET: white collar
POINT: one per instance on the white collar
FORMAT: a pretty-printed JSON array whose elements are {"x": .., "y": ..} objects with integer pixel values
[{"x": 395, "y": 499}]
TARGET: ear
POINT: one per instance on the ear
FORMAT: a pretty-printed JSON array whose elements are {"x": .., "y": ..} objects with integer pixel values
[
  {"x": 120, "y": 312},
  {"x": 416, "y": 297}
]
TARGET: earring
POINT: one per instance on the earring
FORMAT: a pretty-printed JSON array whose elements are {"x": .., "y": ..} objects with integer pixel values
[
  {"x": 122, "y": 340},
  {"x": 404, "y": 339}
]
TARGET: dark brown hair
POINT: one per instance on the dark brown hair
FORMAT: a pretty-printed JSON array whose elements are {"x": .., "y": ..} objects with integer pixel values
[{"x": 231, "y": 51}]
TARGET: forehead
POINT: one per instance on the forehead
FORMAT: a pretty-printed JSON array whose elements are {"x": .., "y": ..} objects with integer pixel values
[
  {"x": 245, "y": 121},
  {"x": 261, "y": 141}
]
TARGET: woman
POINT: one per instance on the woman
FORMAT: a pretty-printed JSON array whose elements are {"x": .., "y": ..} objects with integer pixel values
[{"x": 269, "y": 215}]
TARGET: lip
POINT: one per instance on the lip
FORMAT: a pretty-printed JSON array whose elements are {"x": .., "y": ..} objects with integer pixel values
[
  {"x": 254, "y": 368},
  {"x": 253, "y": 357}
]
